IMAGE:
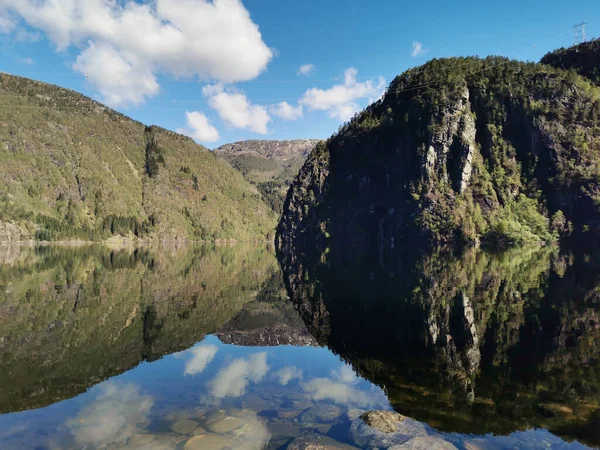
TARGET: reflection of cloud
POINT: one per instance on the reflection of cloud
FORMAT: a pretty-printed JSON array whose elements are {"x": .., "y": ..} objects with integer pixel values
[
  {"x": 118, "y": 413},
  {"x": 341, "y": 390},
  {"x": 288, "y": 374},
  {"x": 345, "y": 374},
  {"x": 232, "y": 380},
  {"x": 201, "y": 356}
]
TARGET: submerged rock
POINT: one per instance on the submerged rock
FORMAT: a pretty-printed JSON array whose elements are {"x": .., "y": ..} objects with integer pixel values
[
  {"x": 384, "y": 429},
  {"x": 321, "y": 413},
  {"x": 317, "y": 442},
  {"x": 185, "y": 426},
  {"x": 226, "y": 424},
  {"x": 208, "y": 441},
  {"x": 424, "y": 443}
]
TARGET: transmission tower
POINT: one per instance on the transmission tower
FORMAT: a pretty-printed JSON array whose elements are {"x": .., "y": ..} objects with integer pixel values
[{"x": 580, "y": 32}]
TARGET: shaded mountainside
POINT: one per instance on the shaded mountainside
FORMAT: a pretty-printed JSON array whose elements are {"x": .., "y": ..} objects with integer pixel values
[
  {"x": 505, "y": 341},
  {"x": 458, "y": 150},
  {"x": 73, "y": 317},
  {"x": 73, "y": 168},
  {"x": 270, "y": 165},
  {"x": 583, "y": 58}
]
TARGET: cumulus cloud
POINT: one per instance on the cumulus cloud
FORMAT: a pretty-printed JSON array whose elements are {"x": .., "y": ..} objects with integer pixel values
[
  {"x": 340, "y": 100},
  {"x": 235, "y": 109},
  {"x": 27, "y": 36},
  {"x": 121, "y": 78},
  {"x": 27, "y": 61},
  {"x": 417, "y": 49},
  {"x": 200, "y": 127},
  {"x": 231, "y": 381},
  {"x": 286, "y": 111},
  {"x": 201, "y": 357},
  {"x": 345, "y": 374},
  {"x": 118, "y": 413},
  {"x": 288, "y": 374},
  {"x": 210, "y": 39},
  {"x": 306, "y": 69}
]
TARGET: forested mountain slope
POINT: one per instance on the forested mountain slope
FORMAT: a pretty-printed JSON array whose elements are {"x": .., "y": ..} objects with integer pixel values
[
  {"x": 458, "y": 150},
  {"x": 583, "y": 58},
  {"x": 73, "y": 168}
]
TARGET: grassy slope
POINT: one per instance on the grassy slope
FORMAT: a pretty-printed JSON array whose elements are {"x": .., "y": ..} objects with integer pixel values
[{"x": 73, "y": 168}]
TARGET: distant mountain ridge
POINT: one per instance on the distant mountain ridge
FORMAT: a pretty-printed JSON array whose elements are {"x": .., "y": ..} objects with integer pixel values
[
  {"x": 270, "y": 165},
  {"x": 72, "y": 168}
]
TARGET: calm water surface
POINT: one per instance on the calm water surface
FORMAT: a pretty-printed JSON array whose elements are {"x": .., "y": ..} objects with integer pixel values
[{"x": 204, "y": 347}]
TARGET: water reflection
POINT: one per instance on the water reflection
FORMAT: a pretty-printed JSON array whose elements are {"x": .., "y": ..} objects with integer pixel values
[
  {"x": 472, "y": 343},
  {"x": 175, "y": 347}
]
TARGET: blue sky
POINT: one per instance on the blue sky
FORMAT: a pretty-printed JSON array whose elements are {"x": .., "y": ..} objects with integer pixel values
[{"x": 158, "y": 60}]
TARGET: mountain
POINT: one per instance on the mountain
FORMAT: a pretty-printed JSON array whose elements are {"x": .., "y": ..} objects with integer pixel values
[
  {"x": 460, "y": 150},
  {"x": 583, "y": 58},
  {"x": 71, "y": 168},
  {"x": 270, "y": 165}
]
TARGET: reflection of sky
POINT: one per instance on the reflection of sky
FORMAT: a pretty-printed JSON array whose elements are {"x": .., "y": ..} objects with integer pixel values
[
  {"x": 210, "y": 373},
  {"x": 118, "y": 413}
]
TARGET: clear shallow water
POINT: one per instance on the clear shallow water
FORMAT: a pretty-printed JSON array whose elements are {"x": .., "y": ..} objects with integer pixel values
[{"x": 216, "y": 347}]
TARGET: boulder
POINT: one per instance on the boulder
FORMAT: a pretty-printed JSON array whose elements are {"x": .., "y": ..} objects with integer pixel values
[{"x": 366, "y": 431}]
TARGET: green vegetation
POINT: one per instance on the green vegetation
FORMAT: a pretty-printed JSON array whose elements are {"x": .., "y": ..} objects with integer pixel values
[
  {"x": 459, "y": 150},
  {"x": 582, "y": 58},
  {"x": 79, "y": 315},
  {"x": 72, "y": 168}
]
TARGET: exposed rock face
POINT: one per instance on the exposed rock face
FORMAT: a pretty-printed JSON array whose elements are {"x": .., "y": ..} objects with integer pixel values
[
  {"x": 384, "y": 421},
  {"x": 459, "y": 150},
  {"x": 270, "y": 165},
  {"x": 274, "y": 150},
  {"x": 11, "y": 233}
]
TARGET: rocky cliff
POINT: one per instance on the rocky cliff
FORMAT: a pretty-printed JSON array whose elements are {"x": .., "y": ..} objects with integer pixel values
[
  {"x": 270, "y": 165},
  {"x": 71, "y": 168},
  {"x": 458, "y": 150}
]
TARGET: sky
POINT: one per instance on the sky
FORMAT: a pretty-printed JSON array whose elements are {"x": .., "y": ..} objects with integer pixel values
[{"x": 225, "y": 70}]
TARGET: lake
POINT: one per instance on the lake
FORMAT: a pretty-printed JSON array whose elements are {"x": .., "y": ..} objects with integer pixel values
[{"x": 214, "y": 347}]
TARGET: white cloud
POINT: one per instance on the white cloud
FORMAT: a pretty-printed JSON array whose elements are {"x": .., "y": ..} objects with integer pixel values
[
  {"x": 231, "y": 381},
  {"x": 286, "y": 111},
  {"x": 6, "y": 23},
  {"x": 417, "y": 49},
  {"x": 235, "y": 109},
  {"x": 345, "y": 374},
  {"x": 199, "y": 127},
  {"x": 306, "y": 69},
  {"x": 27, "y": 61},
  {"x": 340, "y": 100},
  {"x": 201, "y": 357},
  {"x": 288, "y": 374},
  {"x": 118, "y": 413},
  {"x": 210, "y": 39},
  {"x": 120, "y": 77}
]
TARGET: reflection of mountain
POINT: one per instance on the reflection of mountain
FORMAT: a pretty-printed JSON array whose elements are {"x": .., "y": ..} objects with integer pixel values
[
  {"x": 477, "y": 343},
  {"x": 267, "y": 321},
  {"x": 72, "y": 317}
]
